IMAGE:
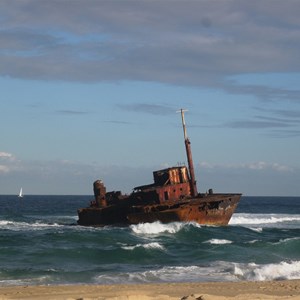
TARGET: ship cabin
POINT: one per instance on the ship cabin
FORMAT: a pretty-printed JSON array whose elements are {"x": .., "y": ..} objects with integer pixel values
[{"x": 171, "y": 184}]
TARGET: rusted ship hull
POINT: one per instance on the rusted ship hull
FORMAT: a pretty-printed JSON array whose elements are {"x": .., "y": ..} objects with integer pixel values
[
  {"x": 211, "y": 210},
  {"x": 172, "y": 197},
  {"x": 215, "y": 209}
]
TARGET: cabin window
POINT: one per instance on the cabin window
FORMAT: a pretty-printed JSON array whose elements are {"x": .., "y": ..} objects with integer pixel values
[{"x": 166, "y": 195}]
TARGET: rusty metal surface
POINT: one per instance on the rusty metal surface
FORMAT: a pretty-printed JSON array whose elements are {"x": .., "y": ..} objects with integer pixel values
[
  {"x": 215, "y": 209},
  {"x": 173, "y": 196}
]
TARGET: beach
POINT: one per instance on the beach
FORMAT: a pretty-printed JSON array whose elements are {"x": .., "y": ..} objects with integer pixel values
[{"x": 244, "y": 290}]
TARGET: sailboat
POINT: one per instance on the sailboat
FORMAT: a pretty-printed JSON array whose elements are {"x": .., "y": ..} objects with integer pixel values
[{"x": 21, "y": 193}]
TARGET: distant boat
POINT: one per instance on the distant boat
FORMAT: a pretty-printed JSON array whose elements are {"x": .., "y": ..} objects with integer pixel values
[{"x": 21, "y": 193}]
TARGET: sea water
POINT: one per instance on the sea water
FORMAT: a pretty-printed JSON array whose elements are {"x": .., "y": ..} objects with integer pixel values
[{"x": 40, "y": 243}]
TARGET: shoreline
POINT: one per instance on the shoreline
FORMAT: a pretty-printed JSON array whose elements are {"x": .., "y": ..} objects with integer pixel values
[{"x": 243, "y": 290}]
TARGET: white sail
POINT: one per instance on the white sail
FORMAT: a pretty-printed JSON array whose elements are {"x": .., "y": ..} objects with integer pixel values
[{"x": 21, "y": 193}]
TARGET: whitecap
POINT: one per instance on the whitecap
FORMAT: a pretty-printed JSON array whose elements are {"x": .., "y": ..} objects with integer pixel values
[
  {"x": 156, "y": 228},
  {"x": 283, "y": 241},
  {"x": 252, "y": 242},
  {"x": 217, "y": 271},
  {"x": 218, "y": 242},
  {"x": 153, "y": 245},
  {"x": 19, "y": 226},
  {"x": 4, "y": 222},
  {"x": 263, "y": 219},
  {"x": 276, "y": 271},
  {"x": 258, "y": 229}
]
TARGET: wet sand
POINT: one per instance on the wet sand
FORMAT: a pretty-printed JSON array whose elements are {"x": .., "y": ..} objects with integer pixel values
[{"x": 283, "y": 290}]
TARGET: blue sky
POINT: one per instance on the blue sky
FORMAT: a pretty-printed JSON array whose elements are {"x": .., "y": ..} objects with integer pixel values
[{"x": 90, "y": 89}]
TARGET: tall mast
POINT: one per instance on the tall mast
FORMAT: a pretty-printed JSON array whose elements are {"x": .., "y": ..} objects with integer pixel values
[{"x": 187, "y": 143}]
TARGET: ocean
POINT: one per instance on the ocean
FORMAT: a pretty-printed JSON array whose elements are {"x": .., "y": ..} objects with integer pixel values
[{"x": 40, "y": 244}]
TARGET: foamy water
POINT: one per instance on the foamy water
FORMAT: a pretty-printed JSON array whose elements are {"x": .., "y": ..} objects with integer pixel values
[{"x": 40, "y": 243}]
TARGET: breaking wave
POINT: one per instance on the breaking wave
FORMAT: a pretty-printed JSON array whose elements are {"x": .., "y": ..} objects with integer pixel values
[
  {"x": 217, "y": 271},
  {"x": 218, "y": 242},
  {"x": 153, "y": 245},
  {"x": 156, "y": 228},
  {"x": 279, "y": 271},
  {"x": 264, "y": 219},
  {"x": 18, "y": 226}
]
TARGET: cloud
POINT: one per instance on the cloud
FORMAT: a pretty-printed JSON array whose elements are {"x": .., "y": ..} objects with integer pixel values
[
  {"x": 75, "y": 178},
  {"x": 252, "y": 179},
  {"x": 294, "y": 115},
  {"x": 255, "y": 124},
  {"x": 265, "y": 93},
  {"x": 4, "y": 169},
  {"x": 281, "y": 122},
  {"x": 284, "y": 133},
  {"x": 254, "y": 166},
  {"x": 7, "y": 162},
  {"x": 5, "y": 155},
  {"x": 68, "y": 177},
  {"x": 178, "y": 42}
]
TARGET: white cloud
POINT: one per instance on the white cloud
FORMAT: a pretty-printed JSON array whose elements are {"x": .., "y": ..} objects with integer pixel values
[
  {"x": 256, "y": 166},
  {"x": 4, "y": 169},
  {"x": 5, "y": 155},
  {"x": 67, "y": 177},
  {"x": 178, "y": 42},
  {"x": 7, "y": 161},
  {"x": 260, "y": 165}
]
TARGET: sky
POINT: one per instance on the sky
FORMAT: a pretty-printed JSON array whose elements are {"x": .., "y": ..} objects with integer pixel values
[{"x": 90, "y": 90}]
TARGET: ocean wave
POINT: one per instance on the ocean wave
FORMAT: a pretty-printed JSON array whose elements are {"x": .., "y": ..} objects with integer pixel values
[
  {"x": 153, "y": 245},
  {"x": 218, "y": 242},
  {"x": 216, "y": 271},
  {"x": 258, "y": 229},
  {"x": 165, "y": 274},
  {"x": 26, "y": 281},
  {"x": 288, "y": 240},
  {"x": 18, "y": 226},
  {"x": 263, "y": 219},
  {"x": 279, "y": 271},
  {"x": 252, "y": 241},
  {"x": 156, "y": 228}
]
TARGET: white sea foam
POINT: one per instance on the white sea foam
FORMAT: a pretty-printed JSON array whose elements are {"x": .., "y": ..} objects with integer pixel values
[
  {"x": 216, "y": 271},
  {"x": 252, "y": 242},
  {"x": 4, "y": 222},
  {"x": 218, "y": 241},
  {"x": 26, "y": 281},
  {"x": 282, "y": 241},
  {"x": 156, "y": 228},
  {"x": 264, "y": 220},
  {"x": 166, "y": 274},
  {"x": 18, "y": 226},
  {"x": 153, "y": 245},
  {"x": 282, "y": 270},
  {"x": 258, "y": 229}
]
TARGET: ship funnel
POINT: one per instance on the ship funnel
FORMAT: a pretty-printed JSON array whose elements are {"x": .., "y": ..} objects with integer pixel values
[
  {"x": 187, "y": 143},
  {"x": 99, "y": 192}
]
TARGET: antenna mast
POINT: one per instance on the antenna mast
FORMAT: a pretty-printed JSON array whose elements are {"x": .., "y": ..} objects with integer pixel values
[{"x": 187, "y": 143}]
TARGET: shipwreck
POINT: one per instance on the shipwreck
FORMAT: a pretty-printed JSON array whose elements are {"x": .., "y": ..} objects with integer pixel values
[{"x": 172, "y": 197}]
